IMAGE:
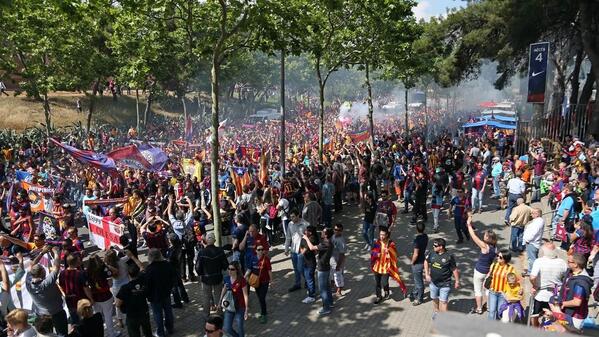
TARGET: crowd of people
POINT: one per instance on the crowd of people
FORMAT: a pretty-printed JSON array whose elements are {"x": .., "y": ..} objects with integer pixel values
[{"x": 166, "y": 217}]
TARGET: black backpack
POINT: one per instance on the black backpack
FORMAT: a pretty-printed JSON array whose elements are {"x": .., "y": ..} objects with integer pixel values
[{"x": 577, "y": 205}]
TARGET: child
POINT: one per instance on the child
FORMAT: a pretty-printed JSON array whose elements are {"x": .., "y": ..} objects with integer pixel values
[{"x": 512, "y": 310}]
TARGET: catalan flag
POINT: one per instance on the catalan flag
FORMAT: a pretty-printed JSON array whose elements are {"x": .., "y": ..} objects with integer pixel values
[
  {"x": 386, "y": 263},
  {"x": 361, "y": 136}
]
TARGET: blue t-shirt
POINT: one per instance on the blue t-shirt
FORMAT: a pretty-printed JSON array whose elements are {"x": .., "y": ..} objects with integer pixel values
[
  {"x": 460, "y": 206},
  {"x": 566, "y": 205}
]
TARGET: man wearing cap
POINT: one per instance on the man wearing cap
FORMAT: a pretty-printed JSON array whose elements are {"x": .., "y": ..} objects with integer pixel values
[
  {"x": 210, "y": 264},
  {"x": 496, "y": 171}
]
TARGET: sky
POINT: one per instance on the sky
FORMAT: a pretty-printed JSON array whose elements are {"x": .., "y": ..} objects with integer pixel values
[{"x": 427, "y": 8}]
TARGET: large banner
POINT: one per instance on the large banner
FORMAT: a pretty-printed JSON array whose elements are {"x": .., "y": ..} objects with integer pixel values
[
  {"x": 103, "y": 232},
  {"x": 537, "y": 72},
  {"x": 40, "y": 198}
]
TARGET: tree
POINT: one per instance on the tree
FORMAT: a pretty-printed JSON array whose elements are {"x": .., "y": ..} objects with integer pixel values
[
  {"x": 382, "y": 32},
  {"x": 42, "y": 47}
]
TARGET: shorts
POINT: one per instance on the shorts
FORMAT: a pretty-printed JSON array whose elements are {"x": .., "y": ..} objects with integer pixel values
[
  {"x": 439, "y": 293},
  {"x": 537, "y": 307},
  {"x": 477, "y": 281}
]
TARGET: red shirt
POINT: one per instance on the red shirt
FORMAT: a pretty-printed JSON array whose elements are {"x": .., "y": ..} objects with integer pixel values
[
  {"x": 264, "y": 267},
  {"x": 71, "y": 282},
  {"x": 237, "y": 289}
]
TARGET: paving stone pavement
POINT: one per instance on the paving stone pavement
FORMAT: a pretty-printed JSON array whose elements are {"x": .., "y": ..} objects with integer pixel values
[{"x": 354, "y": 313}]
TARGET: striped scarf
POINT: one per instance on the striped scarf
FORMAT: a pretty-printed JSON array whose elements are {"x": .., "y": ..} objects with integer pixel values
[{"x": 383, "y": 259}]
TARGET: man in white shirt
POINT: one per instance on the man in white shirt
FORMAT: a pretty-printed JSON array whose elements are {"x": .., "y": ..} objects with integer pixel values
[
  {"x": 516, "y": 188},
  {"x": 547, "y": 273},
  {"x": 293, "y": 238},
  {"x": 533, "y": 236}
]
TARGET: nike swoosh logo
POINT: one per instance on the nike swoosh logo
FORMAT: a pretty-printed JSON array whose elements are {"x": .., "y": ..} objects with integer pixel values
[{"x": 535, "y": 74}]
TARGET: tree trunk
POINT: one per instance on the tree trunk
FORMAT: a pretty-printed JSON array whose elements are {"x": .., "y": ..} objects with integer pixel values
[
  {"x": 47, "y": 115},
  {"x": 148, "y": 107},
  {"x": 574, "y": 77},
  {"x": 92, "y": 103},
  {"x": 587, "y": 88},
  {"x": 137, "y": 117},
  {"x": 426, "y": 115},
  {"x": 184, "y": 109},
  {"x": 370, "y": 107},
  {"x": 282, "y": 88},
  {"x": 214, "y": 73},
  {"x": 321, "y": 85},
  {"x": 407, "y": 126}
]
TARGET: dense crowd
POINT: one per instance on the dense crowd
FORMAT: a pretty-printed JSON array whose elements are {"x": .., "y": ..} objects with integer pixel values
[{"x": 166, "y": 216}]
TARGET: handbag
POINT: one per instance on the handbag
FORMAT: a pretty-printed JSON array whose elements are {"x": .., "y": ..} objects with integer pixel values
[
  {"x": 560, "y": 233},
  {"x": 254, "y": 279},
  {"x": 228, "y": 301},
  {"x": 489, "y": 278}
]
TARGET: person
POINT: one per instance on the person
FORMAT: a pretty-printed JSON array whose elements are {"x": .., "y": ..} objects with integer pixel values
[
  {"x": 420, "y": 194},
  {"x": 160, "y": 279},
  {"x": 235, "y": 283},
  {"x": 439, "y": 267},
  {"x": 533, "y": 236},
  {"x": 383, "y": 263},
  {"x": 488, "y": 252},
  {"x": 547, "y": 274},
  {"x": 565, "y": 214},
  {"x": 496, "y": 172},
  {"x": 437, "y": 204},
  {"x": 338, "y": 259},
  {"x": 479, "y": 182},
  {"x": 419, "y": 244},
  {"x": 18, "y": 326},
  {"x": 44, "y": 327},
  {"x": 369, "y": 207},
  {"x": 520, "y": 216},
  {"x": 309, "y": 258},
  {"x": 214, "y": 327},
  {"x": 538, "y": 164},
  {"x": 516, "y": 189},
  {"x": 250, "y": 241},
  {"x": 386, "y": 211},
  {"x": 573, "y": 297},
  {"x": 90, "y": 323},
  {"x": 328, "y": 193},
  {"x": 312, "y": 212},
  {"x": 498, "y": 274},
  {"x": 211, "y": 262},
  {"x": 511, "y": 309},
  {"x": 131, "y": 299},
  {"x": 324, "y": 248},
  {"x": 460, "y": 206},
  {"x": 72, "y": 282},
  {"x": 44, "y": 291},
  {"x": 582, "y": 240},
  {"x": 98, "y": 275},
  {"x": 293, "y": 238},
  {"x": 173, "y": 255},
  {"x": 118, "y": 268},
  {"x": 261, "y": 266}
]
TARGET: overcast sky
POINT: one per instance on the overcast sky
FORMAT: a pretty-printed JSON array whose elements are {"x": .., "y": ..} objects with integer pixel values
[{"x": 428, "y": 8}]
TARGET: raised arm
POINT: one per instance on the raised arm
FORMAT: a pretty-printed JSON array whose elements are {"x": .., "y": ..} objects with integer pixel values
[{"x": 480, "y": 243}]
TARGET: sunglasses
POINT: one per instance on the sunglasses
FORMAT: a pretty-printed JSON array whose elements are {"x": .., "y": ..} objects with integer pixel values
[
  {"x": 435, "y": 245},
  {"x": 232, "y": 269},
  {"x": 500, "y": 257},
  {"x": 259, "y": 249},
  {"x": 209, "y": 331},
  {"x": 337, "y": 229}
]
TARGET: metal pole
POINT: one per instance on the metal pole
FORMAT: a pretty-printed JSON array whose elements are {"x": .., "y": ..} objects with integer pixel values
[{"x": 282, "y": 145}]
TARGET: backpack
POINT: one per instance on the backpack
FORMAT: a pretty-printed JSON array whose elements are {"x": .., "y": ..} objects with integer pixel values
[{"x": 577, "y": 205}]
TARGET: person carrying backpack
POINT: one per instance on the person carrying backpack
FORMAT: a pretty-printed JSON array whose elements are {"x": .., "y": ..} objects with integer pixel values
[{"x": 566, "y": 214}]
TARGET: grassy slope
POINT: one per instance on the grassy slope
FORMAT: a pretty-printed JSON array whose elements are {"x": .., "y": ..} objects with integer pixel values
[{"x": 20, "y": 112}]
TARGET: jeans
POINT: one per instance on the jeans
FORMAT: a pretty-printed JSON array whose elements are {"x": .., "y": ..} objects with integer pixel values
[
  {"x": 105, "y": 308},
  {"x": 59, "y": 320},
  {"x": 531, "y": 254},
  {"x": 228, "y": 319},
  {"x": 327, "y": 215},
  {"x": 493, "y": 303},
  {"x": 536, "y": 188},
  {"x": 408, "y": 199},
  {"x": 298, "y": 268},
  {"x": 163, "y": 315},
  {"x": 179, "y": 292},
  {"x": 496, "y": 190},
  {"x": 382, "y": 281},
  {"x": 418, "y": 291},
  {"x": 516, "y": 238},
  {"x": 186, "y": 265},
  {"x": 477, "y": 199},
  {"x": 261, "y": 293},
  {"x": 134, "y": 324},
  {"x": 309, "y": 277},
  {"x": 324, "y": 285},
  {"x": 210, "y": 295},
  {"x": 511, "y": 203},
  {"x": 367, "y": 232},
  {"x": 460, "y": 227}
]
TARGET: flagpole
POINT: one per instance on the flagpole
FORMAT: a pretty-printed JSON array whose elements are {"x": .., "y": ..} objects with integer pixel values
[{"x": 282, "y": 144}]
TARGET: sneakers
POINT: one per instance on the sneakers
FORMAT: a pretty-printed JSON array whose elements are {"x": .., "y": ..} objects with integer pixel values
[
  {"x": 263, "y": 319},
  {"x": 378, "y": 300},
  {"x": 308, "y": 300},
  {"x": 294, "y": 288},
  {"x": 416, "y": 302},
  {"x": 367, "y": 247},
  {"x": 387, "y": 295},
  {"x": 323, "y": 312},
  {"x": 436, "y": 230}
]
